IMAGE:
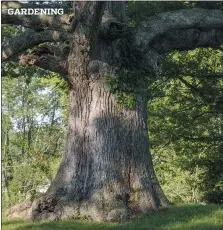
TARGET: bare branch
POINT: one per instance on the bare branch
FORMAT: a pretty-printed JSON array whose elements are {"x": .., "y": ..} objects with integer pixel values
[
  {"x": 193, "y": 88},
  {"x": 29, "y": 39},
  {"x": 45, "y": 61},
  {"x": 51, "y": 58},
  {"x": 187, "y": 40},
  {"x": 156, "y": 26},
  {"x": 36, "y": 22}
]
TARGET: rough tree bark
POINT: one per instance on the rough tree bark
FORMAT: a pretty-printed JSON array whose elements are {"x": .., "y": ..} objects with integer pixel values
[{"x": 106, "y": 171}]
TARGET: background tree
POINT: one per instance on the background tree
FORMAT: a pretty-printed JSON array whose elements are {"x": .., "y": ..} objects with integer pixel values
[
  {"x": 33, "y": 107},
  {"x": 33, "y": 133},
  {"x": 185, "y": 123},
  {"x": 102, "y": 175}
]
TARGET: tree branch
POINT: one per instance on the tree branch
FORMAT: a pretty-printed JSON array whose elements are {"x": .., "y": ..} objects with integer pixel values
[
  {"x": 51, "y": 58},
  {"x": 36, "y": 22},
  {"x": 193, "y": 88},
  {"x": 207, "y": 97},
  {"x": 187, "y": 40},
  {"x": 110, "y": 27},
  {"x": 46, "y": 61},
  {"x": 183, "y": 29},
  {"x": 203, "y": 19},
  {"x": 29, "y": 39}
]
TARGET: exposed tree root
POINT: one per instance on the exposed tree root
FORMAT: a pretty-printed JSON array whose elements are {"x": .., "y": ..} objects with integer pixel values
[{"x": 96, "y": 208}]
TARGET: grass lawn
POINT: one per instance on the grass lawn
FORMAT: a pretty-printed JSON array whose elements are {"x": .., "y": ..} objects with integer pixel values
[{"x": 177, "y": 217}]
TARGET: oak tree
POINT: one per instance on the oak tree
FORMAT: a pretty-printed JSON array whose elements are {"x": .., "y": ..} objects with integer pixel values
[{"x": 106, "y": 172}]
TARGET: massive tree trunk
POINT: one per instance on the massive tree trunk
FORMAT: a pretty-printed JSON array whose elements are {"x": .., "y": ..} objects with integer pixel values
[{"x": 106, "y": 171}]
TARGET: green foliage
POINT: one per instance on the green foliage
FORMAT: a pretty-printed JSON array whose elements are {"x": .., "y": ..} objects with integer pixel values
[
  {"x": 127, "y": 85},
  {"x": 185, "y": 124},
  {"x": 26, "y": 178},
  {"x": 123, "y": 92},
  {"x": 126, "y": 100},
  {"x": 196, "y": 217},
  {"x": 34, "y": 125},
  {"x": 8, "y": 31}
]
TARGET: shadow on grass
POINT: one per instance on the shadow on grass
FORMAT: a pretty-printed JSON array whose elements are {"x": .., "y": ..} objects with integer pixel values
[{"x": 177, "y": 217}]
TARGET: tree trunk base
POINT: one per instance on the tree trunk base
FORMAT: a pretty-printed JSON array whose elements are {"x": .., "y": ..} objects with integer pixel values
[{"x": 97, "y": 208}]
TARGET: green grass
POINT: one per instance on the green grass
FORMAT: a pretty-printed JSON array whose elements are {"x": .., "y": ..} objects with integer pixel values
[{"x": 177, "y": 217}]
